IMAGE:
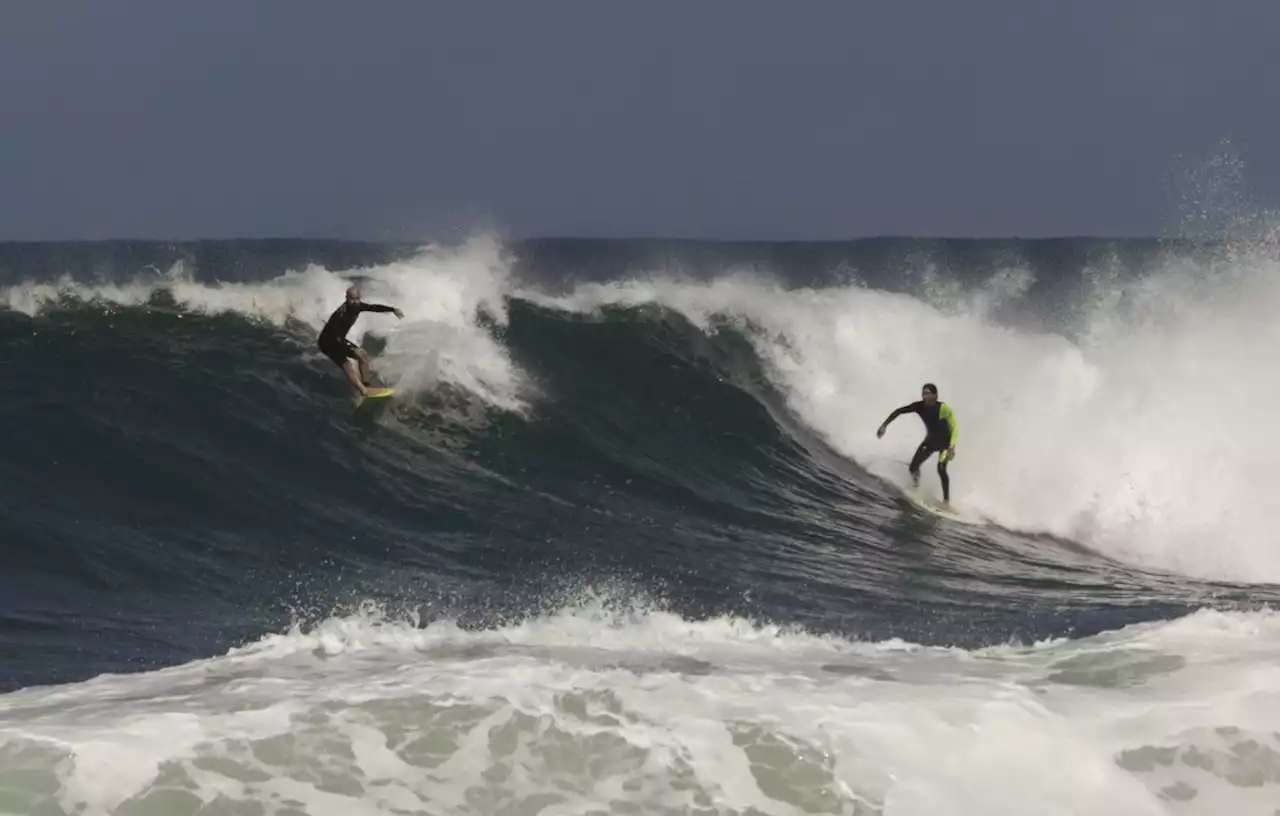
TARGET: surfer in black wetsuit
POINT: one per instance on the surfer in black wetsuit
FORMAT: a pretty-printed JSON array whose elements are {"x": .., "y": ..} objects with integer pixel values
[
  {"x": 335, "y": 345},
  {"x": 941, "y": 432}
]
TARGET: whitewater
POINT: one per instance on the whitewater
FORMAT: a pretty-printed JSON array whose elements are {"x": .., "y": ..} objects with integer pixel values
[
  {"x": 593, "y": 712},
  {"x": 629, "y": 544},
  {"x": 1134, "y": 436}
]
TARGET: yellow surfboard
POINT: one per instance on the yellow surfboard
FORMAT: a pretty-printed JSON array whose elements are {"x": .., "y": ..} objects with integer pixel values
[{"x": 374, "y": 396}]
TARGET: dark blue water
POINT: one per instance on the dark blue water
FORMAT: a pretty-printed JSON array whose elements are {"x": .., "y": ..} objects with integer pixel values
[{"x": 178, "y": 482}]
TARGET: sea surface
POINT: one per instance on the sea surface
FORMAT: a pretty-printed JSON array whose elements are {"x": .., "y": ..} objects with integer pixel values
[{"x": 625, "y": 541}]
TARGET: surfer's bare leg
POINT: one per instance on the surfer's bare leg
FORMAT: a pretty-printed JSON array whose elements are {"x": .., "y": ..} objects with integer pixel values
[
  {"x": 354, "y": 377},
  {"x": 364, "y": 365}
]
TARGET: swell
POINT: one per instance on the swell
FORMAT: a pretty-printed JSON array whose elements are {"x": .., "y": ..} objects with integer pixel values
[
  {"x": 232, "y": 438},
  {"x": 184, "y": 479}
]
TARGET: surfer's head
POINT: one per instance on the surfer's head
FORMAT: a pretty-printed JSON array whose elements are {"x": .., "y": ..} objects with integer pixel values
[
  {"x": 353, "y": 294},
  {"x": 929, "y": 393}
]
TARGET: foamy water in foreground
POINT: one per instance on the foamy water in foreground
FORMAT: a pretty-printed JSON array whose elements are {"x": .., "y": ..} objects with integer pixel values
[
  {"x": 1112, "y": 437},
  {"x": 588, "y": 712}
]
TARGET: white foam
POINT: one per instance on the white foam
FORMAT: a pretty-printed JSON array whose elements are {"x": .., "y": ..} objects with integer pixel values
[
  {"x": 1149, "y": 440},
  {"x": 585, "y": 709},
  {"x": 441, "y": 291}
]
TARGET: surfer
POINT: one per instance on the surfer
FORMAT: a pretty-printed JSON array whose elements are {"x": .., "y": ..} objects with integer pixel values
[
  {"x": 941, "y": 432},
  {"x": 335, "y": 345}
]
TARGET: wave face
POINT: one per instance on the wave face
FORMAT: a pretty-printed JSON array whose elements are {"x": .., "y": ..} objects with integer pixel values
[{"x": 625, "y": 539}]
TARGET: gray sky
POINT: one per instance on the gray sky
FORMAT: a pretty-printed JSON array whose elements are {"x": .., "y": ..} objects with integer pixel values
[{"x": 802, "y": 119}]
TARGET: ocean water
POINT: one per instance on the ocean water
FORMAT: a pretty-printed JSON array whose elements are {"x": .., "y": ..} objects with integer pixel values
[{"x": 625, "y": 540}]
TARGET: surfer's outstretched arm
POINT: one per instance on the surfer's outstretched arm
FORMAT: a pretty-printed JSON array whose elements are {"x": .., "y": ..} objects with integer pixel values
[
  {"x": 378, "y": 307},
  {"x": 906, "y": 409}
]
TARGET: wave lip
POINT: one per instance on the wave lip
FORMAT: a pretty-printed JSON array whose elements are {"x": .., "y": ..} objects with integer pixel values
[{"x": 1108, "y": 431}]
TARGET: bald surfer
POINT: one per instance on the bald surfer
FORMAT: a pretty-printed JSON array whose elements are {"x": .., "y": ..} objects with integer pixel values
[
  {"x": 335, "y": 345},
  {"x": 941, "y": 432}
]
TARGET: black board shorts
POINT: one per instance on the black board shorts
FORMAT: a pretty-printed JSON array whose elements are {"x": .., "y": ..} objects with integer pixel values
[{"x": 338, "y": 349}]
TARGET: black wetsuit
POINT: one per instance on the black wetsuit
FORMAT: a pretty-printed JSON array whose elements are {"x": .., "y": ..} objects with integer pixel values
[
  {"x": 333, "y": 337},
  {"x": 941, "y": 432}
]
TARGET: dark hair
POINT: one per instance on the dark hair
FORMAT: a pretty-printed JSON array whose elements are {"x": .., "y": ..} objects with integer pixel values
[{"x": 931, "y": 388}]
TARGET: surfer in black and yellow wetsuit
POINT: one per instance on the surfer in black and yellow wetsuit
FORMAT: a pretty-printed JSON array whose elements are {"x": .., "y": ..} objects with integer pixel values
[
  {"x": 335, "y": 345},
  {"x": 941, "y": 432}
]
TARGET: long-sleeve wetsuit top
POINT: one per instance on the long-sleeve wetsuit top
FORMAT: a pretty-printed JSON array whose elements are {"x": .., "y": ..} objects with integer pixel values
[
  {"x": 344, "y": 317},
  {"x": 940, "y": 425}
]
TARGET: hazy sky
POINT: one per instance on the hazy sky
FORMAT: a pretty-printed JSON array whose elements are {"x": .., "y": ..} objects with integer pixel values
[{"x": 801, "y": 119}]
